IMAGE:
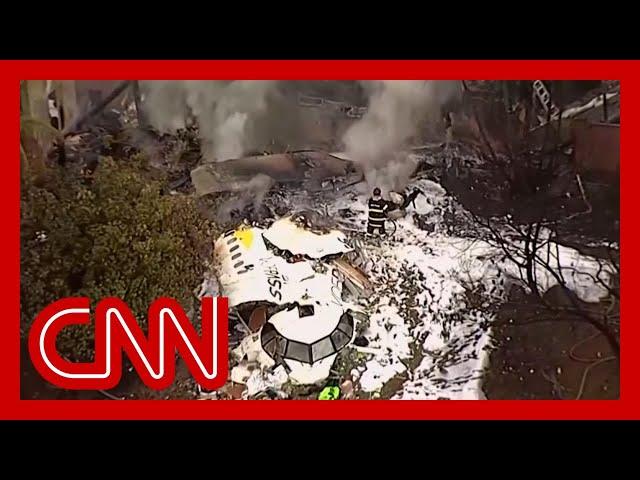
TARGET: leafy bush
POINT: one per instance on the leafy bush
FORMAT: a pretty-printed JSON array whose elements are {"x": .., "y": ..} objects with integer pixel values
[{"x": 109, "y": 233}]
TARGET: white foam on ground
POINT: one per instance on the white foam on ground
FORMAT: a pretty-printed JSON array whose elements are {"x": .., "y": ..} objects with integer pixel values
[
  {"x": 419, "y": 307},
  {"x": 454, "y": 339}
]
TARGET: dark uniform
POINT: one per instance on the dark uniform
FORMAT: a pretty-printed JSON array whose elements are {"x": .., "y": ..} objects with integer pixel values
[{"x": 377, "y": 215}]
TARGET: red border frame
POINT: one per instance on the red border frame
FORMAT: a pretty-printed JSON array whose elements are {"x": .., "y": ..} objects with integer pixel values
[{"x": 12, "y": 407}]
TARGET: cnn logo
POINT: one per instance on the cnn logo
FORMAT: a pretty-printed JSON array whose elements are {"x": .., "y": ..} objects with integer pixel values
[{"x": 117, "y": 332}]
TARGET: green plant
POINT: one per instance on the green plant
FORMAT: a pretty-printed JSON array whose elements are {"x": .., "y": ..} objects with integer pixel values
[{"x": 111, "y": 233}]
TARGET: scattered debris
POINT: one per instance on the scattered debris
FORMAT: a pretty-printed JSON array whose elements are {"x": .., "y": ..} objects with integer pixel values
[
  {"x": 361, "y": 341},
  {"x": 286, "y": 235},
  {"x": 292, "y": 305},
  {"x": 306, "y": 167},
  {"x": 242, "y": 372},
  {"x": 354, "y": 279},
  {"x": 423, "y": 223},
  {"x": 236, "y": 391},
  {"x": 346, "y": 390}
]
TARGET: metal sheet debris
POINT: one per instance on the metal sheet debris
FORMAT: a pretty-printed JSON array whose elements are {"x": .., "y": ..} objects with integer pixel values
[
  {"x": 295, "y": 167},
  {"x": 286, "y": 235},
  {"x": 294, "y": 301}
]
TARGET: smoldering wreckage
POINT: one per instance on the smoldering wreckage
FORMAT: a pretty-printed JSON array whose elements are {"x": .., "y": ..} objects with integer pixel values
[
  {"x": 315, "y": 302},
  {"x": 293, "y": 287}
]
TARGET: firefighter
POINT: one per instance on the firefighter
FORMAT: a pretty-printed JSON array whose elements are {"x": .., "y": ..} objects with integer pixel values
[{"x": 377, "y": 212}]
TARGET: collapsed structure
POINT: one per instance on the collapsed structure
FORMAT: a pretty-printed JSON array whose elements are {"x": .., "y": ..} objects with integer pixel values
[
  {"x": 285, "y": 285},
  {"x": 307, "y": 167}
]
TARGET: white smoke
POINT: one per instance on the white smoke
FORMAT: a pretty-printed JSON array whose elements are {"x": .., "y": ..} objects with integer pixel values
[
  {"x": 235, "y": 117},
  {"x": 393, "y": 175},
  {"x": 229, "y": 136},
  {"x": 165, "y": 104},
  {"x": 225, "y": 111},
  {"x": 398, "y": 109}
]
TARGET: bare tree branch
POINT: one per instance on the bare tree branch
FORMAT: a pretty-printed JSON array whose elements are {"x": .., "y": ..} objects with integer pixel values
[{"x": 79, "y": 122}]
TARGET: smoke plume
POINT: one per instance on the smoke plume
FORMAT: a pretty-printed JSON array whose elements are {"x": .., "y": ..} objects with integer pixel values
[
  {"x": 397, "y": 111},
  {"x": 226, "y": 111}
]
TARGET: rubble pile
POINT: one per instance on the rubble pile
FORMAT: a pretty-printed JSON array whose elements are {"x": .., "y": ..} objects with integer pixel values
[
  {"x": 415, "y": 332},
  {"x": 319, "y": 307},
  {"x": 291, "y": 309}
]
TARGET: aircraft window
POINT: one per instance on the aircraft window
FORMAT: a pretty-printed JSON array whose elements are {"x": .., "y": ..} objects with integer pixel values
[
  {"x": 322, "y": 349},
  {"x": 340, "y": 340},
  {"x": 306, "y": 310},
  {"x": 268, "y": 333},
  {"x": 281, "y": 345},
  {"x": 298, "y": 351},
  {"x": 270, "y": 347},
  {"x": 275, "y": 344},
  {"x": 346, "y": 324}
]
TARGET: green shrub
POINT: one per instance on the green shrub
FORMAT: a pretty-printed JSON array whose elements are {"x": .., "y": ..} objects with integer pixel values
[{"x": 111, "y": 233}]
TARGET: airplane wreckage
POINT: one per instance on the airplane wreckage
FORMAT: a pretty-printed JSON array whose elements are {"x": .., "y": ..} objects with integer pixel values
[
  {"x": 293, "y": 286},
  {"x": 312, "y": 168},
  {"x": 293, "y": 291},
  {"x": 289, "y": 286}
]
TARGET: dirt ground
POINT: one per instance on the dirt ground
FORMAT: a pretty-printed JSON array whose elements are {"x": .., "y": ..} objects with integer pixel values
[
  {"x": 532, "y": 361},
  {"x": 539, "y": 357}
]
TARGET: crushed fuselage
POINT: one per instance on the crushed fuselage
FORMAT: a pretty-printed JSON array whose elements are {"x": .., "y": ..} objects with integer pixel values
[{"x": 291, "y": 300}]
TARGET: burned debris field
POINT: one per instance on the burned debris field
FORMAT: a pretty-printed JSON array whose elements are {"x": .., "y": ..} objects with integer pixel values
[{"x": 495, "y": 274}]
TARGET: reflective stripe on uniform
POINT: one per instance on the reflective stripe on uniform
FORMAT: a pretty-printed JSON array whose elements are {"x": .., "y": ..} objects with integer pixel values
[{"x": 377, "y": 214}]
